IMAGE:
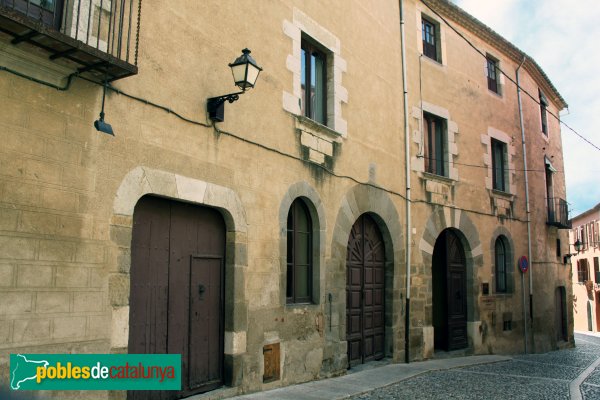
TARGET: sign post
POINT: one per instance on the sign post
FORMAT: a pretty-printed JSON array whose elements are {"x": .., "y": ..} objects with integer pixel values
[{"x": 524, "y": 267}]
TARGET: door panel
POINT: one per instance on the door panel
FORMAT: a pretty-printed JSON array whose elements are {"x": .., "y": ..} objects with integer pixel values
[
  {"x": 176, "y": 302},
  {"x": 449, "y": 283},
  {"x": 365, "y": 288},
  {"x": 205, "y": 322},
  {"x": 457, "y": 293}
]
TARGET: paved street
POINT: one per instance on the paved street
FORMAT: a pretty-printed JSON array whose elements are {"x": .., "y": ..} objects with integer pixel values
[{"x": 567, "y": 374}]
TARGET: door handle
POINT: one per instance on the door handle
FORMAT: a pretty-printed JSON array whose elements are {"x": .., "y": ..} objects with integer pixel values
[{"x": 201, "y": 290}]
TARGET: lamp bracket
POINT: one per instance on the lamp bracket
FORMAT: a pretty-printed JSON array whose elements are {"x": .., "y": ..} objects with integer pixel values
[
  {"x": 215, "y": 105},
  {"x": 231, "y": 97}
]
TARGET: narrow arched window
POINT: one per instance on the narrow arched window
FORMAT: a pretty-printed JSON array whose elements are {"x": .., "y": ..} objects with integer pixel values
[
  {"x": 299, "y": 254},
  {"x": 501, "y": 269}
]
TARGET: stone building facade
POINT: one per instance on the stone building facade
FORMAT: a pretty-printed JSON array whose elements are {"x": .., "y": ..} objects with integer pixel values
[
  {"x": 585, "y": 264},
  {"x": 298, "y": 208}
]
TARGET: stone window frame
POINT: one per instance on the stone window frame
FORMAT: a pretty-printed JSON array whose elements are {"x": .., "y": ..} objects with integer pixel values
[
  {"x": 509, "y": 249},
  {"x": 418, "y": 161},
  {"x": 421, "y": 13},
  {"x": 310, "y": 197},
  {"x": 500, "y": 79},
  {"x": 486, "y": 141},
  {"x": 299, "y": 203},
  {"x": 301, "y": 27},
  {"x": 503, "y": 164}
]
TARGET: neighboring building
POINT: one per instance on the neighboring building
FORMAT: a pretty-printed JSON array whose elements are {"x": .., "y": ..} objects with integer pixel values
[
  {"x": 277, "y": 239},
  {"x": 586, "y": 267}
]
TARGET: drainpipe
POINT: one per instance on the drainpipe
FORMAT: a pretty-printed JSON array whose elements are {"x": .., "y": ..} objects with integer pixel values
[
  {"x": 407, "y": 172},
  {"x": 528, "y": 214}
]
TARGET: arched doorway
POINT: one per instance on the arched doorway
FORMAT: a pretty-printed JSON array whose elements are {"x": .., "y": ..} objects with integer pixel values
[
  {"x": 177, "y": 291},
  {"x": 365, "y": 287},
  {"x": 449, "y": 281}
]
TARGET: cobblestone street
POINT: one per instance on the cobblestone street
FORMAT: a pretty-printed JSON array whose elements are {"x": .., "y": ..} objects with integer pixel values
[
  {"x": 534, "y": 376},
  {"x": 565, "y": 374}
]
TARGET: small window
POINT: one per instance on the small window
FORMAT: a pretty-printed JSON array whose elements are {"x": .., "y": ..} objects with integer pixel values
[
  {"x": 544, "y": 113},
  {"x": 430, "y": 39},
  {"x": 492, "y": 75},
  {"x": 499, "y": 156},
  {"x": 582, "y": 270},
  {"x": 558, "y": 252},
  {"x": 507, "y": 325},
  {"x": 314, "y": 83},
  {"x": 299, "y": 254},
  {"x": 501, "y": 268},
  {"x": 596, "y": 270},
  {"x": 435, "y": 145}
]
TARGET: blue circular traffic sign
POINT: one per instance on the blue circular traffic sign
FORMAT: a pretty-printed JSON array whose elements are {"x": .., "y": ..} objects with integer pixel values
[{"x": 523, "y": 264}]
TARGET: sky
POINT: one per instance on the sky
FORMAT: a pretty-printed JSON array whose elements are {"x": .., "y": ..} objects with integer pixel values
[{"x": 563, "y": 36}]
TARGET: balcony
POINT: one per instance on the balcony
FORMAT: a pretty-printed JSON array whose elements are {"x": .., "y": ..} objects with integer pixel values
[
  {"x": 558, "y": 213},
  {"x": 97, "y": 39}
]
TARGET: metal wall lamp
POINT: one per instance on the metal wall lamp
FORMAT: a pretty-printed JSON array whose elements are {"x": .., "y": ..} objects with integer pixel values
[
  {"x": 245, "y": 73},
  {"x": 578, "y": 247},
  {"x": 100, "y": 124}
]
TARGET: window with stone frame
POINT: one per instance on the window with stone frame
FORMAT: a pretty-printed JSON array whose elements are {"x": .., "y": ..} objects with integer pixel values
[
  {"x": 299, "y": 254},
  {"x": 499, "y": 171},
  {"x": 431, "y": 38},
  {"x": 543, "y": 112},
  {"x": 493, "y": 74},
  {"x": 582, "y": 270},
  {"x": 313, "y": 79},
  {"x": 435, "y": 144},
  {"x": 501, "y": 267}
]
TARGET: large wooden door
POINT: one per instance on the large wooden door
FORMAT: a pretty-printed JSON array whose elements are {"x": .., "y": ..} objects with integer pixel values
[
  {"x": 365, "y": 287},
  {"x": 457, "y": 293},
  {"x": 176, "y": 300},
  {"x": 449, "y": 281}
]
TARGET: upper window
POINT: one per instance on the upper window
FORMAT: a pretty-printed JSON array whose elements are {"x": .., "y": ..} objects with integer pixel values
[
  {"x": 314, "y": 83},
  {"x": 499, "y": 165},
  {"x": 492, "y": 75},
  {"x": 430, "y": 38},
  {"x": 501, "y": 266},
  {"x": 435, "y": 145},
  {"x": 596, "y": 270},
  {"x": 299, "y": 254},
  {"x": 544, "y": 113},
  {"x": 582, "y": 270}
]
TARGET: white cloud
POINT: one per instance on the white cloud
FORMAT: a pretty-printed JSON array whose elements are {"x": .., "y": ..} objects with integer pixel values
[{"x": 562, "y": 36}]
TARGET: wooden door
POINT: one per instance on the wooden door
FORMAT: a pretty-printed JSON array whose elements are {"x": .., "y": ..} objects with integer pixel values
[
  {"x": 449, "y": 286},
  {"x": 176, "y": 300},
  {"x": 365, "y": 287},
  {"x": 456, "y": 293}
]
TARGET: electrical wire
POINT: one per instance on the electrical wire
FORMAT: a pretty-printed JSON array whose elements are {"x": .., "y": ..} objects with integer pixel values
[
  {"x": 254, "y": 143},
  {"x": 45, "y": 83},
  {"x": 485, "y": 167},
  {"x": 507, "y": 76}
]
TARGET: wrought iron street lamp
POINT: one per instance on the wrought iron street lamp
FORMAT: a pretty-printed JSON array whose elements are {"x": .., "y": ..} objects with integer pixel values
[
  {"x": 245, "y": 73},
  {"x": 578, "y": 247}
]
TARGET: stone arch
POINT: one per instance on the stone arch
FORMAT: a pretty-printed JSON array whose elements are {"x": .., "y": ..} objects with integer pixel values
[
  {"x": 442, "y": 218},
  {"x": 143, "y": 181},
  {"x": 317, "y": 213},
  {"x": 501, "y": 231},
  {"x": 359, "y": 200}
]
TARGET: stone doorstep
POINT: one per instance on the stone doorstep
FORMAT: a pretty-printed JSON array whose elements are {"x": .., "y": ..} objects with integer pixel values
[{"x": 357, "y": 383}]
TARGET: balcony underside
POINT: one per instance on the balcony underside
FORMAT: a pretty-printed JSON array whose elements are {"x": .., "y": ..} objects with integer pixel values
[{"x": 89, "y": 62}]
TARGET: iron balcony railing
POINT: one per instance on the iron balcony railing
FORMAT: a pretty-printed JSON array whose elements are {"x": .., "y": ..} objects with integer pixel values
[
  {"x": 100, "y": 36},
  {"x": 558, "y": 213}
]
